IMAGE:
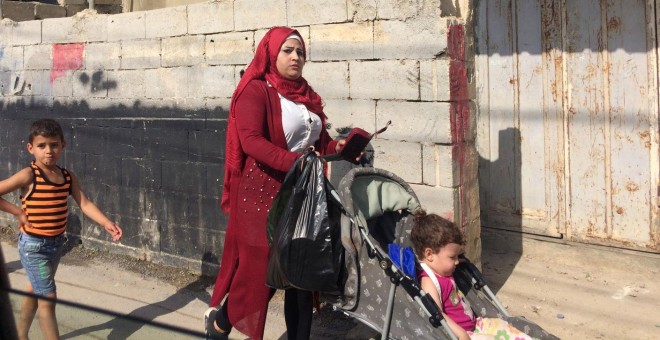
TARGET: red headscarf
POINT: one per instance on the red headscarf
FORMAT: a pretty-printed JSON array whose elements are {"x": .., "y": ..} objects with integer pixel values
[{"x": 263, "y": 66}]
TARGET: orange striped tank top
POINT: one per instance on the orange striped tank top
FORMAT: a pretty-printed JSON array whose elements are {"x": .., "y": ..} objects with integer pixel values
[{"x": 46, "y": 205}]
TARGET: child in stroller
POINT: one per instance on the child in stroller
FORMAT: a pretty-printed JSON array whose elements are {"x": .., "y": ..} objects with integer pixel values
[
  {"x": 379, "y": 210},
  {"x": 438, "y": 243}
]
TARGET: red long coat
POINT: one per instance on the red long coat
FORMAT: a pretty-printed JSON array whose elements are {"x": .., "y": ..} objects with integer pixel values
[{"x": 245, "y": 253}]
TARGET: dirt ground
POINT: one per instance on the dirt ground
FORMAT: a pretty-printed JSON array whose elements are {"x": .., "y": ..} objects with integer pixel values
[{"x": 574, "y": 291}]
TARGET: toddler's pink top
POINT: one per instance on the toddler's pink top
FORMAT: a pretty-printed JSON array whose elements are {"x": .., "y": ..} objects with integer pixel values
[{"x": 454, "y": 303}]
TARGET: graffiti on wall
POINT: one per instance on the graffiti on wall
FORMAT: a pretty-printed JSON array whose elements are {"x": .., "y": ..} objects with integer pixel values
[{"x": 66, "y": 57}]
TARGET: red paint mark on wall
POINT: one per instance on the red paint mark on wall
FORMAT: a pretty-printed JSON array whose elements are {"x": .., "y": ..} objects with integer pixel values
[
  {"x": 460, "y": 106},
  {"x": 66, "y": 57}
]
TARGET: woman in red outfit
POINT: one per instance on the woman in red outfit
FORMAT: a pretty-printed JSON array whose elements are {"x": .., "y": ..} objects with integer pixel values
[{"x": 275, "y": 115}]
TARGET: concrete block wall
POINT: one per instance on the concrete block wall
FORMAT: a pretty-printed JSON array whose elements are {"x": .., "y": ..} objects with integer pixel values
[
  {"x": 144, "y": 96},
  {"x": 17, "y": 10}
]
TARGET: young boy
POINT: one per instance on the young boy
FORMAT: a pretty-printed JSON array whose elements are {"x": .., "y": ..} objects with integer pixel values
[{"x": 45, "y": 188}]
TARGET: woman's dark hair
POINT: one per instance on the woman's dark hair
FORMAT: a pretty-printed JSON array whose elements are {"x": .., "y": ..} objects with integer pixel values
[
  {"x": 433, "y": 231},
  {"x": 46, "y": 128}
]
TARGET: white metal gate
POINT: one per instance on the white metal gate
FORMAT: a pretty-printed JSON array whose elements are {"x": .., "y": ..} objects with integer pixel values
[{"x": 568, "y": 122}]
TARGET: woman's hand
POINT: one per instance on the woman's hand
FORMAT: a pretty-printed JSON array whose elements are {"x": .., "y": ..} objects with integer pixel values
[
  {"x": 340, "y": 145},
  {"x": 114, "y": 230}
]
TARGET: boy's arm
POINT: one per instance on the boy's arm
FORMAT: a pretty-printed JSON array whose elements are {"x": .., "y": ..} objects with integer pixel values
[
  {"x": 92, "y": 211},
  {"x": 429, "y": 287},
  {"x": 21, "y": 179}
]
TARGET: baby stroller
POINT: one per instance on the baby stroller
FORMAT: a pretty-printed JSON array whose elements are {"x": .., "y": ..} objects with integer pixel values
[{"x": 378, "y": 211}]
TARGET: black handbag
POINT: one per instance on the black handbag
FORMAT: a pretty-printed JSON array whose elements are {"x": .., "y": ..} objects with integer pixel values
[{"x": 303, "y": 229}]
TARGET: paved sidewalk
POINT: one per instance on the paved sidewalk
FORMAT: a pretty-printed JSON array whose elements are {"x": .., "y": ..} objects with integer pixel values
[{"x": 572, "y": 290}]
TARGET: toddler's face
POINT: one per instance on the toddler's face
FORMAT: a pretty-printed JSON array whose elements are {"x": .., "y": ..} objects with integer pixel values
[{"x": 444, "y": 261}]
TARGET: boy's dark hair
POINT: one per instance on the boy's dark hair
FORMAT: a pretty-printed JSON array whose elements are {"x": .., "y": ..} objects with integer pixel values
[
  {"x": 46, "y": 128},
  {"x": 433, "y": 231}
]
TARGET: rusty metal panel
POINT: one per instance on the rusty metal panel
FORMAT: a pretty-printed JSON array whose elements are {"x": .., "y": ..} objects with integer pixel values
[
  {"x": 630, "y": 121},
  {"x": 504, "y": 174},
  {"x": 521, "y": 192},
  {"x": 570, "y": 143},
  {"x": 588, "y": 186}
]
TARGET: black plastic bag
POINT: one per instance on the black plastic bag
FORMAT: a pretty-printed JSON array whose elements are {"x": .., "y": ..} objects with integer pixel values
[{"x": 304, "y": 232}]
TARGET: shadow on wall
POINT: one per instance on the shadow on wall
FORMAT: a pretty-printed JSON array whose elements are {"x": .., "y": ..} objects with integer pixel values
[{"x": 500, "y": 189}]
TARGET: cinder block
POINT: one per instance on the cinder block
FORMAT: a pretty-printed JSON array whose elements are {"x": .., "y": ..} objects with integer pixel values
[
  {"x": 237, "y": 73},
  {"x": 166, "y": 22},
  {"x": 62, "y": 86},
  {"x": 362, "y": 11},
  {"x": 401, "y": 158},
  {"x": 439, "y": 169},
  {"x": 5, "y": 89},
  {"x": 44, "y": 11},
  {"x": 18, "y": 11},
  {"x": 212, "y": 81},
  {"x": 350, "y": 113},
  {"x": 108, "y": 9},
  {"x": 211, "y": 17},
  {"x": 182, "y": 51},
  {"x": 184, "y": 176},
  {"x": 434, "y": 80},
  {"x": 166, "y": 82},
  {"x": 438, "y": 200},
  {"x": 107, "y": 2},
  {"x": 427, "y": 122},
  {"x": 6, "y": 29},
  {"x": 266, "y": 14},
  {"x": 341, "y": 41},
  {"x": 393, "y": 39},
  {"x": 58, "y": 30},
  {"x": 126, "y": 26},
  {"x": 330, "y": 80},
  {"x": 404, "y": 10},
  {"x": 12, "y": 59},
  {"x": 167, "y": 144},
  {"x": 102, "y": 56},
  {"x": 38, "y": 57},
  {"x": 37, "y": 83},
  {"x": 401, "y": 78},
  {"x": 72, "y": 10},
  {"x": 207, "y": 146},
  {"x": 26, "y": 33},
  {"x": 130, "y": 84},
  {"x": 71, "y": 2},
  {"x": 89, "y": 28},
  {"x": 140, "y": 173},
  {"x": 230, "y": 48},
  {"x": 217, "y": 111},
  {"x": 214, "y": 176},
  {"x": 104, "y": 168},
  {"x": 140, "y": 54},
  {"x": 129, "y": 207},
  {"x": 305, "y": 12}
]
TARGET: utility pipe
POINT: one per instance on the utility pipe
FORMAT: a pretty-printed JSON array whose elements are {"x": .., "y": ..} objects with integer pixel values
[{"x": 91, "y": 4}]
